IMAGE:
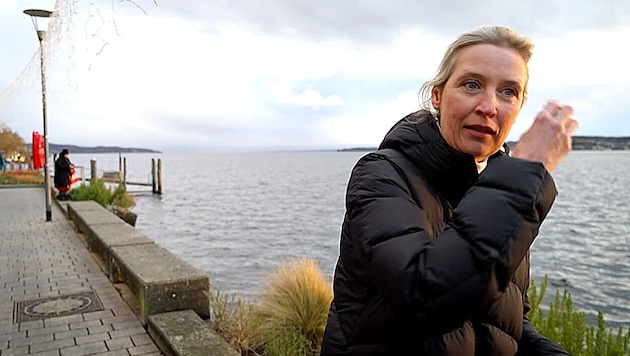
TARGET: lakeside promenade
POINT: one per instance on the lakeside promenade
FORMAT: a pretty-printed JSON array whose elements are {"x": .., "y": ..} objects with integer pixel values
[{"x": 54, "y": 297}]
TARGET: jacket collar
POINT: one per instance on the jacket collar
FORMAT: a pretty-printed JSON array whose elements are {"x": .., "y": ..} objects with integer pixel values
[{"x": 450, "y": 172}]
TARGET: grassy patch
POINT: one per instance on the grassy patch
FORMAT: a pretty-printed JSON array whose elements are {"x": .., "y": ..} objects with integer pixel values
[{"x": 22, "y": 177}]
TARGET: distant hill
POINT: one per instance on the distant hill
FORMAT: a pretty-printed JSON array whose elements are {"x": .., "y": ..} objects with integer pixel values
[
  {"x": 56, "y": 148},
  {"x": 597, "y": 143},
  {"x": 580, "y": 143},
  {"x": 357, "y": 149},
  {"x": 601, "y": 143}
]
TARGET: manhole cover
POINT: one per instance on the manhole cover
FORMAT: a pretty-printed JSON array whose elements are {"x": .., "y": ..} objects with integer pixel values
[{"x": 62, "y": 305}]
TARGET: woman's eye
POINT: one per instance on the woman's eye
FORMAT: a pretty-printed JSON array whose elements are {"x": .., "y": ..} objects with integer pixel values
[
  {"x": 471, "y": 85},
  {"x": 510, "y": 92}
]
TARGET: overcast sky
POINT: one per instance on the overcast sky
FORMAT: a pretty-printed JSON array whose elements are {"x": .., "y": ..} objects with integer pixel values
[{"x": 270, "y": 74}]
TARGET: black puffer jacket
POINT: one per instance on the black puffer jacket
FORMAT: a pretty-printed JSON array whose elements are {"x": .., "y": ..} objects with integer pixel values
[
  {"x": 63, "y": 171},
  {"x": 434, "y": 256}
]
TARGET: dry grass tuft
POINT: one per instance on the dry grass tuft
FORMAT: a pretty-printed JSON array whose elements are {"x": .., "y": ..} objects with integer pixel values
[
  {"x": 288, "y": 320},
  {"x": 293, "y": 309}
]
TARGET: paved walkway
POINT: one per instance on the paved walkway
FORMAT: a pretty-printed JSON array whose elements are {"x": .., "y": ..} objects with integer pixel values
[{"x": 40, "y": 259}]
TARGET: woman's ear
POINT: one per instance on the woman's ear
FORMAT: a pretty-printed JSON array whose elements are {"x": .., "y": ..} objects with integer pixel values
[{"x": 436, "y": 97}]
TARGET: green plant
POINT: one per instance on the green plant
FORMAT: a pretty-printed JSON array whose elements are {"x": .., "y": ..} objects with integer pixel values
[
  {"x": 119, "y": 198},
  {"x": 231, "y": 318},
  {"x": 96, "y": 191},
  {"x": 568, "y": 327},
  {"x": 285, "y": 340}
]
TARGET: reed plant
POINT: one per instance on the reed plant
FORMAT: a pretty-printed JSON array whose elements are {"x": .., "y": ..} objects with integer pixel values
[
  {"x": 569, "y": 328},
  {"x": 288, "y": 319},
  {"x": 121, "y": 199},
  {"x": 293, "y": 310},
  {"x": 232, "y": 319}
]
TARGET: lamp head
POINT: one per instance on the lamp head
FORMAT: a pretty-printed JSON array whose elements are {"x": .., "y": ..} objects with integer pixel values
[{"x": 41, "y": 14}]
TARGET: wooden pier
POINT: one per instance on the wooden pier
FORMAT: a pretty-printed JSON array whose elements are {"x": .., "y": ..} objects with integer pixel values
[{"x": 120, "y": 176}]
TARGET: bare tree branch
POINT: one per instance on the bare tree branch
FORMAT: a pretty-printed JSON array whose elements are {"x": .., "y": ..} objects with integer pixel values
[
  {"x": 102, "y": 48},
  {"x": 135, "y": 4}
]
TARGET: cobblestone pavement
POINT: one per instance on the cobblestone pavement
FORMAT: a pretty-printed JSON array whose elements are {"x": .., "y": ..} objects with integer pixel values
[{"x": 40, "y": 259}]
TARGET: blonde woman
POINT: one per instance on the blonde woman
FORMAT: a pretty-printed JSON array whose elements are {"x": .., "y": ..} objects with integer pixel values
[{"x": 439, "y": 220}]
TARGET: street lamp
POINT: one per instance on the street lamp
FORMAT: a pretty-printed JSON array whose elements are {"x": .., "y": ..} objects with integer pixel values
[{"x": 35, "y": 15}]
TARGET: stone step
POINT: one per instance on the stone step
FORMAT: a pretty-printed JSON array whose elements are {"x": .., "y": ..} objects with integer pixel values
[{"x": 184, "y": 333}]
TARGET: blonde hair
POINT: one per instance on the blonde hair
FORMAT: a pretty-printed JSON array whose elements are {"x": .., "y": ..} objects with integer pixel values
[{"x": 494, "y": 35}]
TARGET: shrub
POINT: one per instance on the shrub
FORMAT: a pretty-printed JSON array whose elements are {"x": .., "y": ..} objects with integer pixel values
[
  {"x": 568, "y": 327},
  {"x": 96, "y": 191},
  {"x": 103, "y": 195}
]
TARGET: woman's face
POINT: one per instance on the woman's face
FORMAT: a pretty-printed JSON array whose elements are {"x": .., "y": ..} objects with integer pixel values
[{"x": 481, "y": 99}]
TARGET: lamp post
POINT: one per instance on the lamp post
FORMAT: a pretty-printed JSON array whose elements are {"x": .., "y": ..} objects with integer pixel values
[{"x": 35, "y": 15}]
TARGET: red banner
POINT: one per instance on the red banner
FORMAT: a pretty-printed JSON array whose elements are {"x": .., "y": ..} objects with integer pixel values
[{"x": 38, "y": 151}]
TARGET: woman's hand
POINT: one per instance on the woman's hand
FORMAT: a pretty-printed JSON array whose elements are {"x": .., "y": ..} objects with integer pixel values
[{"x": 548, "y": 140}]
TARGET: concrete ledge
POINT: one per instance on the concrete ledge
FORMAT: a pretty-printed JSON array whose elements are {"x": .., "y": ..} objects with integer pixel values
[
  {"x": 101, "y": 238},
  {"x": 161, "y": 280},
  {"x": 73, "y": 207},
  {"x": 84, "y": 219},
  {"x": 168, "y": 295},
  {"x": 185, "y": 333}
]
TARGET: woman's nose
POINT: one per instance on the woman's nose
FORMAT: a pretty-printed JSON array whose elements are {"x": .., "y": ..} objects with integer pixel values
[{"x": 488, "y": 103}]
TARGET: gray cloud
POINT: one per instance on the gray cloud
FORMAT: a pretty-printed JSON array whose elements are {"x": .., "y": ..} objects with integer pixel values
[{"x": 379, "y": 21}]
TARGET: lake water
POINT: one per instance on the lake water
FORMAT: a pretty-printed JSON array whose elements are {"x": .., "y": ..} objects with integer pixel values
[{"x": 239, "y": 216}]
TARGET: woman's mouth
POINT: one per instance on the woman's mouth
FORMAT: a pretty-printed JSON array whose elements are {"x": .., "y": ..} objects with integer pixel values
[{"x": 480, "y": 130}]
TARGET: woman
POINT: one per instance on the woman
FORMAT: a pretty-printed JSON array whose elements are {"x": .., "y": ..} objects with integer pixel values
[
  {"x": 63, "y": 174},
  {"x": 434, "y": 244}
]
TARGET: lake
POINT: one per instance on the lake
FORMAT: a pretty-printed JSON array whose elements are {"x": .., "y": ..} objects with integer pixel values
[{"x": 238, "y": 216}]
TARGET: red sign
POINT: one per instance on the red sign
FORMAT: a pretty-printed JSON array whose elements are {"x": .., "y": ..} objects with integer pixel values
[{"x": 39, "y": 153}]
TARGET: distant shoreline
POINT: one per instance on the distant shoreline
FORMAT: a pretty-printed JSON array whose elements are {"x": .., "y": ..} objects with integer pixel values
[
  {"x": 56, "y": 148},
  {"x": 580, "y": 143}
]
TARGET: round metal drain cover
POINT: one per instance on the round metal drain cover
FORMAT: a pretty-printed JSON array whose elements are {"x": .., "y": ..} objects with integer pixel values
[
  {"x": 62, "y": 305},
  {"x": 70, "y": 304}
]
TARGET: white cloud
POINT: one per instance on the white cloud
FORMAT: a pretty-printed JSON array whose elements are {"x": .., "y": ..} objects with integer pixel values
[
  {"x": 366, "y": 126},
  {"x": 309, "y": 97},
  {"x": 182, "y": 80}
]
